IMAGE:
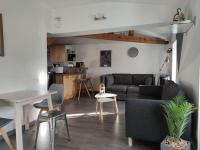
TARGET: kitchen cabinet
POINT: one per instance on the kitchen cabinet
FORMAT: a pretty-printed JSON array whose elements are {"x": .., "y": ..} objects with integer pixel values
[{"x": 57, "y": 53}]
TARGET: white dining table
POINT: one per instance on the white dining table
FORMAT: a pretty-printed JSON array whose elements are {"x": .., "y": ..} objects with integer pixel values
[{"x": 20, "y": 99}]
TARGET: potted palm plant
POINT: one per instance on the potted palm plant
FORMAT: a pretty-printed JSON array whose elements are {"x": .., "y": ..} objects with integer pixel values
[{"x": 177, "y": 113}]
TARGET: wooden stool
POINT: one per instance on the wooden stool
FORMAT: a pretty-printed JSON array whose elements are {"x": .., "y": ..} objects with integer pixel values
[
  {"x": 90, "y": 87},
  {"x": 85, "y": 83}
]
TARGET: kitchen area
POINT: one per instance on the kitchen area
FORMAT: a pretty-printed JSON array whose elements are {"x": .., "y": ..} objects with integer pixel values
[{"x": 64, "y": 69}]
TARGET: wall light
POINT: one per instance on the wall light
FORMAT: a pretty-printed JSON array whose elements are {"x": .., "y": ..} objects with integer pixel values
[
  {"x": 58, "y": 22},
  {"x": 99, "y": 17}
]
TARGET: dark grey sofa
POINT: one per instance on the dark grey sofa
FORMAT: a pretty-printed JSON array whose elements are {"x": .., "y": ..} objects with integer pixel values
[
  {"x": 126, "y": 85},
  {"x": 144, "y": 116}
]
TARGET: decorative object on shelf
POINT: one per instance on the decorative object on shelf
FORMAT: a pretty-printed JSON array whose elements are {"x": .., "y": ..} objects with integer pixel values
[
  {"x": 102, "y": 89},
  {"x": 99, "y": 17},
  {"x": 179, "y": 16},
  {"x": 132, "y": 52},
  {"x": 80, "y": 64},
  {"x": 105, "y": 58},
  {"x": 177, "y": 113},
  {"x": 1, "y": 37}
]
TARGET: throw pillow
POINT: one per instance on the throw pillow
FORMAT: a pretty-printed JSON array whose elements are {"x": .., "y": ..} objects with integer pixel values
[{"x": 148, "y": 81}]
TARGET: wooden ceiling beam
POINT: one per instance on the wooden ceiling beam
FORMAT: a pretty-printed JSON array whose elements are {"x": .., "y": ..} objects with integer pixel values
[
  {"x": 50, "y": 41},
  {"x": 125, "y": 38}
]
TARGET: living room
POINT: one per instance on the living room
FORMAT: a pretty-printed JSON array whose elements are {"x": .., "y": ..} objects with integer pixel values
[{"x": 24, "y": 64}]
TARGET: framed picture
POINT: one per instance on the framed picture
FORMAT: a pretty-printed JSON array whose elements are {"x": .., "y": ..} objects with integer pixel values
[
  {"x": 1, "y": 37},
  {"x": 105, "y": 58}
]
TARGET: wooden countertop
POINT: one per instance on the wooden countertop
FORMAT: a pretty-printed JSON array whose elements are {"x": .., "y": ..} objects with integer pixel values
[{"x": 65, "y": 74}]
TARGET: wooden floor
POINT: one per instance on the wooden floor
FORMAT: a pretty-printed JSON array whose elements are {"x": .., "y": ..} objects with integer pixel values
[{"x": 87, "y": 133}]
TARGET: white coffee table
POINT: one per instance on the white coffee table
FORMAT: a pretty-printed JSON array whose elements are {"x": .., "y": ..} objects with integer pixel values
[{"x": 105, "y": 98}]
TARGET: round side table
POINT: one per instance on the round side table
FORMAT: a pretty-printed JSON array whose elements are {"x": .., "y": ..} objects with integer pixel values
[{"x": 105, "y": 98}]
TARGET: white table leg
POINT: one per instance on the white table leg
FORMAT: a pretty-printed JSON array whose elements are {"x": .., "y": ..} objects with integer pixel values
[
  {"x": 50, "y": 105},
  {"x": 116, "y": 106},
  {"x": 97, "y": 107},
  {"x": 27, "y": 110},
  {"x": 101, "y": 111},
  {"x": 18, "y": 126}
]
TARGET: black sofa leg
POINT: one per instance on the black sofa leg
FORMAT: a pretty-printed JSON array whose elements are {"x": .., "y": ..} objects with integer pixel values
[{"x": 130, "y": 141}]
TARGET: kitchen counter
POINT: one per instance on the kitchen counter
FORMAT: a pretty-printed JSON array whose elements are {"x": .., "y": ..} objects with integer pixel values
[
  {"x": 69, "y": 82},
  {"x": 69, "y": 70},
  {"x": 68, "y": 73}
]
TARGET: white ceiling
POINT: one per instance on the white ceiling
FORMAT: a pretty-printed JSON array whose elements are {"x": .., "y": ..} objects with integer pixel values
[{"x": 69, "y": 3}]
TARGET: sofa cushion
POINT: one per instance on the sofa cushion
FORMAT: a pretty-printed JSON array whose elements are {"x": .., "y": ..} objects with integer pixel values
[
  {"x": 171, "y": 90},
  {"x": 123, "y": 79},
  {"x": 139, "y": 79},
  {"x": 117, "y": 88},
  {"x": 132, "y": 89},
  {"x": 148, "y": 81},
  {"x": 109, "y": 80}
]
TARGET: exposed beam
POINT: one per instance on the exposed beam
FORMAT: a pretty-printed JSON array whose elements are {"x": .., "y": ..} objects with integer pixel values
[
  {"x": 125, "y": 38},
  {"x": 50, "y": 41}
]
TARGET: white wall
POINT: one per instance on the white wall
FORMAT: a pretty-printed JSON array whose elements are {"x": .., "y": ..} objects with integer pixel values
[
  {"x": 80, "y": 19},
  {"x": 148, "y": 60},
  {"x": 188, "y": 75},
  {"x": 25, "y": 48}
]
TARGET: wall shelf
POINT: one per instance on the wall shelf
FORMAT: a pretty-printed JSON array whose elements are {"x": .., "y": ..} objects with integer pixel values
[{"x": 166, "y": 29}]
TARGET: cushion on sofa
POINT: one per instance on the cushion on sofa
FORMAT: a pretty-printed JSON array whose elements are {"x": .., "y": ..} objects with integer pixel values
[
  {"x": 148, "y": 81},
  {"x": 140, "y": 79},
  {"x": 132, "y": 89},
  {"x": 123, "y": 79},
  {"x": 117, "y": 88},
  {"x": 171, "y": 90},
  {"x": 109, "y": 80}
]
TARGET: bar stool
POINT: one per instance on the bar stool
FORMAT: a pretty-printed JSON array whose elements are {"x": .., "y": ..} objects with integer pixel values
[
  {"x": 51, "y": 118},
  {"x": 86, "y": 82},
  {"x": 3, "y": 133}
]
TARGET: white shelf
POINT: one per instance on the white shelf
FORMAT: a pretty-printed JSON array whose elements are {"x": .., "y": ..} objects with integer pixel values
[{"x": 166, "y": 29}]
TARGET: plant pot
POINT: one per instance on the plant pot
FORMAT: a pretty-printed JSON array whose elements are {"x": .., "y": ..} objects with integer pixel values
[{"x": 164, "y": 146}]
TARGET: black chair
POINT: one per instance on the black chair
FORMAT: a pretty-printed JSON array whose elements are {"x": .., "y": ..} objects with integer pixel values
[{"x": 3, "y": 133}]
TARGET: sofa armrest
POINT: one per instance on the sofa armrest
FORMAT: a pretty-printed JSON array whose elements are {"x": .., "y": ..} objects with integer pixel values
[
  {"x": 145, "y": 120},
  {"x": 150, "y": 90}
]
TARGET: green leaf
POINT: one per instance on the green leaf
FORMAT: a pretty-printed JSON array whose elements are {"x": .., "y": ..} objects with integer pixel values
[{"x": 177, "y": 113}]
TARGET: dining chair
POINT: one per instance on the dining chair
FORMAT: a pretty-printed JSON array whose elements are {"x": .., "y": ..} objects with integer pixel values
[
  {"x": 3, "y": 133},
  {"x": 51, "y": 118},
  {"x": 57, "y": 99}
]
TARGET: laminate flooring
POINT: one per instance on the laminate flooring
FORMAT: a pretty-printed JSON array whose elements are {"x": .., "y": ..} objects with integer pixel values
[{"x": 86, "y": 130}]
